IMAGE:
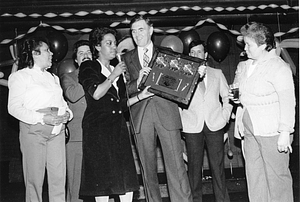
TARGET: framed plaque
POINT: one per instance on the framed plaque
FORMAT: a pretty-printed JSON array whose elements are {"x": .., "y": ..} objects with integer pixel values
[{"x": 173, "y": 76}]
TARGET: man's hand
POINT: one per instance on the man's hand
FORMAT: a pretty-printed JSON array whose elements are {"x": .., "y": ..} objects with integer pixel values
[
  {"x": 145, "y": 93},
  {"x": 143, "y": 71},
  {"x": 202, "y": 70}
]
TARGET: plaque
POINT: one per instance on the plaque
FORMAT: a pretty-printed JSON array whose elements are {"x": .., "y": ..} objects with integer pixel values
[{"x": 173, "y": 75}]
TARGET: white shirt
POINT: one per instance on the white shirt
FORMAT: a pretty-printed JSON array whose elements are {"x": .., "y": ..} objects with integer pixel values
[
  {"x": 31, "y": 90},
  {"x": 106, "y": 73}
]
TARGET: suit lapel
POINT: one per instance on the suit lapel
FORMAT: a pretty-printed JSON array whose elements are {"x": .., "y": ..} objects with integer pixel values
[{"x": 135, "y": 57}]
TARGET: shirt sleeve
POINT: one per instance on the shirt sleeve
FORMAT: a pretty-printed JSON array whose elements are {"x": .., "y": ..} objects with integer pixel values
[
  {"x": 73, "y": 91},
  {"x": 17, "y": 84},
  {"x": 282, "y": 81},
  {"x": 89, "y": 77},
  {"x": 227, "y": 107}
]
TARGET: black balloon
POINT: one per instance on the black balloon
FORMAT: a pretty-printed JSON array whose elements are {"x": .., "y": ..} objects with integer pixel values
[
  {"x": 66, "y": 66},
  {"x": 58, "y": 45},
  {"x": 218, "y": 46},
  {"x": 187, "y": 37}
]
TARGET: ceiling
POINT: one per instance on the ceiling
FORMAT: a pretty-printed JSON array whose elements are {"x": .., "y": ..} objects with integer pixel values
[{"x": 78, "y": 15}]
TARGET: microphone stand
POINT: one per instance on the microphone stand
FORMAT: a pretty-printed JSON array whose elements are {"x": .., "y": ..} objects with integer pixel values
[{"x": 119, "y": 57}]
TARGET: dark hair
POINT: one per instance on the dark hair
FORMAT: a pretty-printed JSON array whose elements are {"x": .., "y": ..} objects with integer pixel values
[
  {"x": 141, "y": 17},
  {"x": 28, "y": 46},
  {"x": 197, "y": 43},
  {"x": 96, "y": 36},
  {"x": 77, "y": 45},
  {"x": 262, "y": 34}
]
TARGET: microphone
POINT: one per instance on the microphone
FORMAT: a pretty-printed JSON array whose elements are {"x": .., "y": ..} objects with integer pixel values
[
  {"x": 120, "y": 59},
  {"x": 119, "y": 56}
]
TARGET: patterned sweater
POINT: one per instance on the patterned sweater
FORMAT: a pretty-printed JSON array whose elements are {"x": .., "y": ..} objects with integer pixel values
[{"x": 268, "y": 95}]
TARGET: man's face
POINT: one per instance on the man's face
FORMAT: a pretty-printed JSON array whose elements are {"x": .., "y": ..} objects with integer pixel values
[
  {"x": 198, "y": 52},
  {"x": 141, "y": 33},
  {"x": 83, "y": 53}
]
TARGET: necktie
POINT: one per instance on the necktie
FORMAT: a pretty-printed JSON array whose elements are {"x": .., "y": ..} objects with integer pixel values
[{"x": 145, "y": 58}]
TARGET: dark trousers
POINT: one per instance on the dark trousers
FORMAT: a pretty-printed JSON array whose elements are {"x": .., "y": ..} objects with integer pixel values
[
  {"x": 178, "y": 185},
  {"x": 195, "y": 152}
]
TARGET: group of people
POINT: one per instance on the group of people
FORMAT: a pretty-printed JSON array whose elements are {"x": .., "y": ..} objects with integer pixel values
[{"x": 98, "y": 158}]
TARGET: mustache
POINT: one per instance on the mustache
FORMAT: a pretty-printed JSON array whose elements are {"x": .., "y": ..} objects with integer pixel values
[{"x": 86, "y": 58}]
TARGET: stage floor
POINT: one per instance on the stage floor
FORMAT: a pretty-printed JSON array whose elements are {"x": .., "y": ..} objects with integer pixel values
[{"x": 15, "y": 192}]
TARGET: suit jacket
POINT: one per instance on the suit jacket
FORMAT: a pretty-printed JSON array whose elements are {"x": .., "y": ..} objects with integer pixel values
[
  {"x": 167, "y": 110},
  {"x": 74, "y": 94},
  {"x": 205, "y": 105}
]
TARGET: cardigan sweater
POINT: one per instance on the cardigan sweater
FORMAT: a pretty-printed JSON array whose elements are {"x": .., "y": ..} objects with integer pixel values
[{"x": 268, "y": 95}]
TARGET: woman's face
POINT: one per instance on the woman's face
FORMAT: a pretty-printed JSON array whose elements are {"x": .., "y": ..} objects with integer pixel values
[
  {"x": 44, "y": 58},
  {"x": 252, "y": 49},
  {"x": 108, "y": 48}
]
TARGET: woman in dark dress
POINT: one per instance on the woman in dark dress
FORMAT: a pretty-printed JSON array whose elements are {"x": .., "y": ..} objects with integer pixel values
[{"x": 108, "y": 164}]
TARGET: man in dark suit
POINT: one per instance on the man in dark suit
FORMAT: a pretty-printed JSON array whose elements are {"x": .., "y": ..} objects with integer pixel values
[
  {"x": 154, "y": 118},
  {"x": 74, "y": 94}
]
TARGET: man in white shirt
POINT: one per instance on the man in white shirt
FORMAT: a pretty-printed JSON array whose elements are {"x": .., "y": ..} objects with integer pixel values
[{"x": 203, "y": 122}]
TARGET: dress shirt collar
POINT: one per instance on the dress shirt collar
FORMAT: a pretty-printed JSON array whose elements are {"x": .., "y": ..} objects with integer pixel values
[{"x": 141, "y": 51}]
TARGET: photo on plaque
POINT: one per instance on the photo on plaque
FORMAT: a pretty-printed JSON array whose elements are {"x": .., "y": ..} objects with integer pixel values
[{"x": 173, "y": 75}]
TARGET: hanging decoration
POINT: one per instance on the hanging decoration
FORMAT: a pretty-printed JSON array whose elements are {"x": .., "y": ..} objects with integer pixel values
[
  {"x": 151, "y": 12},
  {"x": 170, "y": 31}
]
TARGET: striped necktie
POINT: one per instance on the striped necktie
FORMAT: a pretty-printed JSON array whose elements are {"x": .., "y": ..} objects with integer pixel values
[{"x": 145, "y": 58}]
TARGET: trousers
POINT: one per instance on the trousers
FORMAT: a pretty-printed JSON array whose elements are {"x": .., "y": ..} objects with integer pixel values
[{"x": 42, "y": 151}]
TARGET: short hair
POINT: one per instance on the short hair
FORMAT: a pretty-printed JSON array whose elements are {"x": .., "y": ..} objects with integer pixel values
[
  {"x": 141, "y": 17},
  {"x": 28, "y": 46},
  {"x": 77, "y": 45},
  {"x": 96, "y": 36},
  {"x": 261, "y": 34},
  {"x": 197, "y": 43}
]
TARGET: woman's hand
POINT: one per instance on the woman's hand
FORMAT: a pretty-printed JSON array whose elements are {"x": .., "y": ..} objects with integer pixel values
[
  {"x": 65, "y": 117},
  {"x": 231, "y": 97},
  {"x": 143, "y": 72},
  {"x": 118, "y": 70},
  {"x": 54, "y": 120},
  {"x": 284, "y": 142}
]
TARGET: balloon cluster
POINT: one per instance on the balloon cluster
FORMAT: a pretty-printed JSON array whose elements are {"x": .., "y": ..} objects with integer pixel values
[{"x": 218, "y": 44}]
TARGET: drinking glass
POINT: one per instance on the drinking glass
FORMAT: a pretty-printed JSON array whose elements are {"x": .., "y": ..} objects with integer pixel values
[{"x": 235, "y": 90}]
